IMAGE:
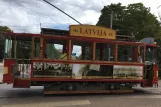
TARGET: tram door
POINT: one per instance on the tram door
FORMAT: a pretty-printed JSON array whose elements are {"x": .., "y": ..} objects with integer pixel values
[
  {"x": 37, "y": 47},
  {"x": 150, "y": 61}
]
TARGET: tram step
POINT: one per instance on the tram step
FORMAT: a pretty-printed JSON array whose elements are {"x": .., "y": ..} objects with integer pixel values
[{"x": 21, "y": 83}]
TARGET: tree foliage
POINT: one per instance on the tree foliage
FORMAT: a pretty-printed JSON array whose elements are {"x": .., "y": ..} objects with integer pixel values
[
  {"x": 5, "y": 29},
  {"x": 2, "y": 30},
  {"x": 132, "y": 19}
]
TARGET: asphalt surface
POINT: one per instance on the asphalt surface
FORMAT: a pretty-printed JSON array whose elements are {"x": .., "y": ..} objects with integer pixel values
[{"x": 9, "y": 97}]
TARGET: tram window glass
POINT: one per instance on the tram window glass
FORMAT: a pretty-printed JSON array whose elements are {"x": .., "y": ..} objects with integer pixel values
[
  {"x": 151, "y": 54},
  {"x": 8, "y": 48},
  {"x": 23, "y": 49},
  {"x": 81, "y": 50},
  {"x": 127, "y": 53},
  {"x": 104, "y": 52},
  {"x": 37, "y": 47},
  {"x": 56, "y": 49},
  {"x": 18, "y": 49}
]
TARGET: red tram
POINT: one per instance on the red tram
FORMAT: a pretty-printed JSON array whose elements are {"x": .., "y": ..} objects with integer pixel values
[{"x": 88, "y": 59}]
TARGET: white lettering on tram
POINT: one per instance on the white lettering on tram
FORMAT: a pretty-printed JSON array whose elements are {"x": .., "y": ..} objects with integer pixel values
[{"x": 44, "y": 66}]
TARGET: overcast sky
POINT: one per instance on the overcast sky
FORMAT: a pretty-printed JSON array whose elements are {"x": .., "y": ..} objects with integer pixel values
[{"x": 26, "y": 15}]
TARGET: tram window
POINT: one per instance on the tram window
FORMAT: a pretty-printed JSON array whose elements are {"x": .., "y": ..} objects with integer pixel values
[
  {"x": 8, "y": 47},
  {"x": 81, "y": 50},
  {"x": 18, "y": 49},
  {"x": 23, "y": 49},
  {"x": 76, "y": 52},
  {"x": 142, "y": 53},
  {"x": 151, "y": 54},
  {"x": 37, "y": 47},
  {"x": 55, "y": 49},
  {"x": 127, "y": 53},
  {"x": 104, "y": 52}
]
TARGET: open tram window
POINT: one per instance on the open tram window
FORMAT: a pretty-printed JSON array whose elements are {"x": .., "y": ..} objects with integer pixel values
[
  {"x": 151, "y": 54},
  {"x": 81, "y": 50},
  {"x": 20, "y": 49},
  {"x": 36, "y": 47},
  {"x": 56, "y": 49},
  {"x": 104, "y": 52},
  {"x": 23, "y": 49},
  {"x": 127, "y": 53},
  {"x": 8, "y": 47}
]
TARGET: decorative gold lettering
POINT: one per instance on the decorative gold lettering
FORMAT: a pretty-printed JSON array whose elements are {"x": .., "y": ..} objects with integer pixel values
[
  {"x": 89, "y": 31},
  {"x": 94, "y": 31},
  {"x": 104, "y": 33},
  {"x": 110, "y": 34},
  {"x": 80, "y": 30},
  {"x": 86, "y": 31}
]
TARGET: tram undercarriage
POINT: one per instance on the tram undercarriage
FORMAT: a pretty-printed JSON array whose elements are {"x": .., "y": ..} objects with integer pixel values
[{"x": 85, "y": 87}]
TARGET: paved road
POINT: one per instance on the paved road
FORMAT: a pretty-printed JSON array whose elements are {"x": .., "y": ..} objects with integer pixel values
[{"x": 34, "y": 97}]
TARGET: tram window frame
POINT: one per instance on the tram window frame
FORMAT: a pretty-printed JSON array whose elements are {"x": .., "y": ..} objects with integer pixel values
[
  {"x": 83, "y": 55},
  {"x": 134, "y": 53},
  {"x": 63, "y": 55},
  {"x": 17, "y": 48},
  {"x": 151, "y": 54},
  {"x": 103, "y": 51}
]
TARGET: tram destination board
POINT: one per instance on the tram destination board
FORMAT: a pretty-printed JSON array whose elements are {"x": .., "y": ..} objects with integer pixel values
[{"x": 92, "y": 31}]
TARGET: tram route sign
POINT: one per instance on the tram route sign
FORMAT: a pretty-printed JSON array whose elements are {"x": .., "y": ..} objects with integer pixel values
[{"x": 92, "y": 31}]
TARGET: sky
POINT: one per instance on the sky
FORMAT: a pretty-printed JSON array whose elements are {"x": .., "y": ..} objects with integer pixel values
[{"x": 26, "y": 15}]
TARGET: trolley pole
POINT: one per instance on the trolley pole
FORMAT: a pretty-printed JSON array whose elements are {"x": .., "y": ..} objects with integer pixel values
[
  {"x": 62, "y": 11},
  {"x": 111, "y": 20}
]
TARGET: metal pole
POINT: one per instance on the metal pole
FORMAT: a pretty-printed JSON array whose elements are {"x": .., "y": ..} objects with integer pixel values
[
  {"x": 111, "y": 21},
  {"x": 159, "y": 12}
]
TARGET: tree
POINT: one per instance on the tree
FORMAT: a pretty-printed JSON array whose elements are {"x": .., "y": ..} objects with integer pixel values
[
  {"x": 118, "y": 16},
  {"x": 52, "y": 52},
  {"x": 5, "y": 29},
  {"x": 2, "y": 30},
  {"x": 132, "y": 19}
]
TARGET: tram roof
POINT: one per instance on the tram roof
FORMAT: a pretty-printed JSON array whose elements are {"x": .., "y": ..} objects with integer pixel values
[{"x": 29, "y": 36}]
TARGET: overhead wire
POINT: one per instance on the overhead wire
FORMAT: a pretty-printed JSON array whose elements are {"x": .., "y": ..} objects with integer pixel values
[
  {"x": 40, "y": 14},
  {"x": 62, "y": 11}
]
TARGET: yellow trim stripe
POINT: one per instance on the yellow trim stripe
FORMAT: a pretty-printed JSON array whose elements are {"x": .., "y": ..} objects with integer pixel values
[
  {"x": 156, "y": 73},
  {"x": 5, "y": 71}
]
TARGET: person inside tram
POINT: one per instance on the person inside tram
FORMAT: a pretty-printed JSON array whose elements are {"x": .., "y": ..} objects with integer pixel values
[{"x": 64, "y": 54}]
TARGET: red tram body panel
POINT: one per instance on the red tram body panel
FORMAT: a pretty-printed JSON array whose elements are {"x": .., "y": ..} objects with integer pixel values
[{"x": 102, "y": 60}]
